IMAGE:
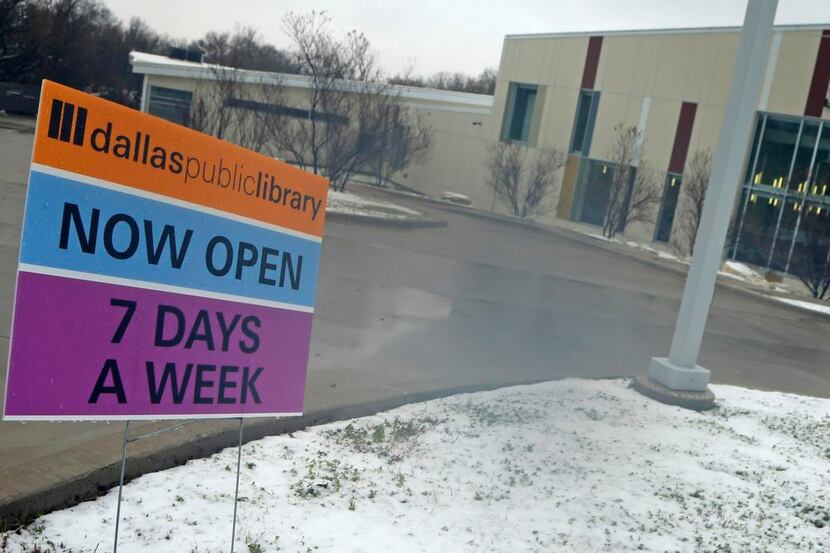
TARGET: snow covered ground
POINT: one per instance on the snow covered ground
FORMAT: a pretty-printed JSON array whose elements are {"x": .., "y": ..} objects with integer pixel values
[
  {"x": 573, "y": 465},
  {"x": 346, "y": 203},
  {"x": 807, "y": 305}
]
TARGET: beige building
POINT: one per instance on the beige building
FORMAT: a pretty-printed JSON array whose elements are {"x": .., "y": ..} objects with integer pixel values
[{"x": 569, "y": 91}]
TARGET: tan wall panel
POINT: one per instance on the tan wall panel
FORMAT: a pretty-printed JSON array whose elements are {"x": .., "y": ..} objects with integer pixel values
[
  {"x": 613, "y": 110},
  {"x": 457, "y": 157},
  {"x": 571, "y": 62},
  {"x": 706, "y": 130},
  {"x": 553, "y": 52},
  {"x": 558, "y": 117},
  {"x": 642, "y": 71},
  {"x": 673, "y": 58},
  {"x": 658, "y": 138},
  {"x": 499, "y": 103},
  {"x": 794, "y": 72},
  {"x": 701, "y": 57},
  {"x": 723, "y": 66},
  {"x": 456, "y": 164},
  {"x": 509, "y": 60},
  {"x": 617, "y": 64},
  {"x": 531, "y": 64}
]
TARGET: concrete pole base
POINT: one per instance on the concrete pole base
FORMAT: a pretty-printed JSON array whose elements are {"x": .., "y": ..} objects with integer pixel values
[
  {"x": 695, "y": 400},
  {"x": 673, "y": 385},
  {"x": 677, "y": 378}
]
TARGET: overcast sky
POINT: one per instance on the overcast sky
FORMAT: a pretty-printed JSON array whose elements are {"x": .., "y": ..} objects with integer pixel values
[{"x": 452, "y": 35}]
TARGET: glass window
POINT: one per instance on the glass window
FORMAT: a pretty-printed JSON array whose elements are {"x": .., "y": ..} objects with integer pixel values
[
  {"x": 821, "y": 169},
  {"x": 758, "y": 228},
  {"x": 586, "y": 113},
  {"x": 597, "y": 187},
  {"x": 776, "y": 152},
  {"x": 521, "y": 104},
  {"x": 170, "y": 104},
  {"x": 786, "y": 231},
  {"x": 759, "y": 127},
  {"x": 812, "y": 241},
  {"x": 671, "y": 192},
  {"x": 803, "y": 156}
]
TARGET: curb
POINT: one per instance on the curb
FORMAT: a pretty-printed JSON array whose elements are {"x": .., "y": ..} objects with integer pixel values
[
  {"x": 23, "y": 508},
  {"x": 400, "y": 223}
]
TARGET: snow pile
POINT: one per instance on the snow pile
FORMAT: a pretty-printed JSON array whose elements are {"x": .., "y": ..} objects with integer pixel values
[
  {"x": 739, "y": 269},
  {"x": 345, "y": 203},
  {"x": 574, "y": 465},
  {"x": 817, "y": 307},
  {"x": 635, "y": 245},
  {"x": 741, "y": 272},
  {"x": 456, "y": 198},
  {"x": 599, "y": 237},
  {"x": 668, "y": 256}
]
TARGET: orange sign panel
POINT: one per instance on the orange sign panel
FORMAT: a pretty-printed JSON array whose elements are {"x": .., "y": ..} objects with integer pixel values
[{"x": 104, "y": 140}]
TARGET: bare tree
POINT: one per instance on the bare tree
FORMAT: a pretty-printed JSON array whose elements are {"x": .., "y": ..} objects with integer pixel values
[
  {"x": 211, "y": 111},
  {"x": 351, "y": 117},
  {"x": 633, "y": 191},
  {"x": 693, "y": 193},
  {"x": 404, "y": 139},
  {"x": 483, "y": 83},
  {"x": 521, "y": 177},
  {"x": 244, "y": 49},
  {"x": 811, "y": 259},
  {"x": 228, "y": 104}
]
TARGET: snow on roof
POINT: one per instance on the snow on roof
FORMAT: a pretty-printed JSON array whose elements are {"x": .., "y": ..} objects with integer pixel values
[{"x": 153, "y": 64}]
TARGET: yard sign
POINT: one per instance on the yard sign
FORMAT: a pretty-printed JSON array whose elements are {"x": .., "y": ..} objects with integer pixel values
[{"x": 163, "y": 273}]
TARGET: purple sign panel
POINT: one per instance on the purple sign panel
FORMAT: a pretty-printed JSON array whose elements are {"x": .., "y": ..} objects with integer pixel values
[{"x": 109, "y": 351}]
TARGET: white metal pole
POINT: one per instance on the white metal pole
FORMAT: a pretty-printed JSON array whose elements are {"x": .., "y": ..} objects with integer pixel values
[
  {"x": 120, "y": 486},
  {"x": 236, "y": 492},
  {"x": 680, "y": 371}
]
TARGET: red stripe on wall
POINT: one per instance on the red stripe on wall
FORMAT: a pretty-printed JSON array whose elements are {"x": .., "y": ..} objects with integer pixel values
[
  {"x": 821, "y": 78},
  {"x": 589, "y": 72},
  {"x": 682, "y": 137}
]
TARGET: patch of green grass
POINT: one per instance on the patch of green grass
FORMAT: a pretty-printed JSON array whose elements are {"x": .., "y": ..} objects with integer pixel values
[
  {"x": 323, "y": 477},
  {"x": 390, "y": 440}
]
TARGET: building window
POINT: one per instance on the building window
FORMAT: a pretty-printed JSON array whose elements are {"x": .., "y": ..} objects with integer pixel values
[
  {"x": 776, "y": 152},
  {"x": 671, "y": 192},
  {"x": 758, "y": 227},
  {"x": 586, "y": 114},
  {"x": 519, "y": 116},
  {"x": 170, "y": 104},
  {"x": 787, "y": 189},
  {"x": 597, "y": 186},
  {"x": 299, "y": 113}
]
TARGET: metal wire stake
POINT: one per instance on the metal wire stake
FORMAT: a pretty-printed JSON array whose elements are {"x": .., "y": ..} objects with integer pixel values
[
  {"x": 236, "y": 492},
  {"x": 120, "y": 487}
]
